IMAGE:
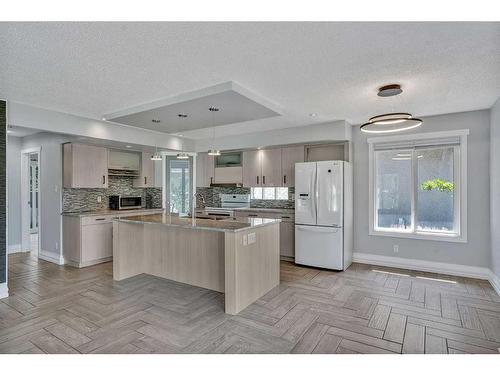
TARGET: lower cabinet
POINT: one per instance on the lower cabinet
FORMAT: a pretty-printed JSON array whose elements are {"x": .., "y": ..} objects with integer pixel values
[
  {"x": 287, "y": 228},
  {"x": 88, "y": 240}
]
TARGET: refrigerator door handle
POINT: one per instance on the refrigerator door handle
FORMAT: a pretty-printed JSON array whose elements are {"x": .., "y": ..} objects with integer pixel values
[{"x": 317, "y": 229}]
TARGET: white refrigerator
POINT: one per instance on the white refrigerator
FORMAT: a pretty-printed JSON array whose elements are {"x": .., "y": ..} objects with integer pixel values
[{"x": 323, "y": 214}]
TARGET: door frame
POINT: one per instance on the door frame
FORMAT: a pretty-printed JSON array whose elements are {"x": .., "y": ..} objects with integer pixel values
[
  {"x": 25, "y": 209},
  {"x": 166, "y": 206}
]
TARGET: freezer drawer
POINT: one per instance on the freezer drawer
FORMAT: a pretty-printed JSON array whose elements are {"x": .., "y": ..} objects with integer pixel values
[{"x": 319, "y": 247}]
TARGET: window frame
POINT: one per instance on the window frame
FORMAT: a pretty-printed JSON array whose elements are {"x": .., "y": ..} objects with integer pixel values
[{"x": 459, "y": 170}]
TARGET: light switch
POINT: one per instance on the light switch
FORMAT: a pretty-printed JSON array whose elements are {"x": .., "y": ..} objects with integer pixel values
[
  {"x": 252, "y": 238},
  {"x": 99, "y": 199},
  {"x": 245, "y": 240}
]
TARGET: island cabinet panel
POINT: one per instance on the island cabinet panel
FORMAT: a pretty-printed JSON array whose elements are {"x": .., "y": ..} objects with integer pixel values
[
  {"x": 205, "y": 172},
  {"x": 252, "y": 171},
  {"x": 252, "y": 269},
  {"x": 85, "y": 166},
  {"x": 290, "y": 156},
  {"x": 97, "y": 242},
  {"x": 128, "y": 239},
  {"x": 271, "y": 167}
]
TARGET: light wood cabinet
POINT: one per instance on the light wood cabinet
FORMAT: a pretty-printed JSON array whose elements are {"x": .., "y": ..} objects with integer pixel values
[
  {"x": 204, "y": 170},
  {"x": 124, "y": 160},
  {"x": 88, "y": 240},
  {"x": 270, "y": 161},
  {"x": 252, "y": 171},
  {"x": 85, "y": 166},
  {"x": 287, "y": 228},
  {"x": 290, "y": 156},
  {"x": 147, "y": 176}
]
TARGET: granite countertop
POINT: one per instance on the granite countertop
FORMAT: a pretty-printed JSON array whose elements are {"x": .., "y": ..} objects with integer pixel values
[
  {"x": 226, "y": 225},
  {"x": 111, "y": 212}
]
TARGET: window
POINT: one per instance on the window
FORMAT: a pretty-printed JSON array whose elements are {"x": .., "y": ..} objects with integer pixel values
[
  {"x": 417, "y": 186},
  {"x": 269, "y": 193}
]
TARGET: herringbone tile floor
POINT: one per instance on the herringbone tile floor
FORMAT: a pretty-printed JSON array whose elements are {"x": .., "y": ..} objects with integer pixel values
[{"x": 367, "y": 309}]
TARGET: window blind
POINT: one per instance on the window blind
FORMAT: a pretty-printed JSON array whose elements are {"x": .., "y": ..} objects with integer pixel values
[{"x": 450, "y": 141}]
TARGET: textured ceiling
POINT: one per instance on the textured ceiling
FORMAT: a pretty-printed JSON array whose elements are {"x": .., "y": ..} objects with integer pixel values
[{"x": 332, "y": 69}]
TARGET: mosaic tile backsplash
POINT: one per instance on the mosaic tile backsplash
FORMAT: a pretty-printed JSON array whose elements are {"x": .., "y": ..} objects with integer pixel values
[
  {"x": 211, "y": 198},
  {"x": 86, "y": 199}
]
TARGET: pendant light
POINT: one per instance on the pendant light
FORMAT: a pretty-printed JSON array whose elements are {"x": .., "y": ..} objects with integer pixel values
[
  {"x": 182, "y": 156},
  {"x": 156, "y": 156},
  {"x": 390, "y": 122},
  {"x": 213, "y": 151}
]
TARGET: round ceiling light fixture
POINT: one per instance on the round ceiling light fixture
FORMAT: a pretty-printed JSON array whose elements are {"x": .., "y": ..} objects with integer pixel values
[{"x": 390, "y": 122}]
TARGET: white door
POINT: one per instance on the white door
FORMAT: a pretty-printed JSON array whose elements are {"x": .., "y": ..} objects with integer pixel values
[
  {"x": 330, "y": 190},
  {"x": 305, "y": 199},
  {"x": 319, "y": 247}
]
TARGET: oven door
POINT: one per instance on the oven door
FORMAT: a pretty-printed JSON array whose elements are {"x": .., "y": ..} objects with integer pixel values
[{"x": 130, "y": 202}]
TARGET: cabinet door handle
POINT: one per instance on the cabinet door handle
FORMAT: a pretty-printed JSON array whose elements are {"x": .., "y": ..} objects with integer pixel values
[
  {"x": 263, "y": 180},
  {"x": 100, "y": 219},
  {"x": 104, "y": 180},
  {"x": 285, "y": 217},
  {"x": 257, "y": 180},
  {"x": 145, "y": 180},
  {"x": 253, "y": 215},
  {"x": 211, "y": 180}
]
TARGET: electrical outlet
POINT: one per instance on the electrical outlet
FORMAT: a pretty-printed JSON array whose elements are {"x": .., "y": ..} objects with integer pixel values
[
  {"x": 57, "y": 245},
  {"x": 99, "y": 199},
  {"x": 396, "y": 248},
  {"x": 252, "y": 237}
]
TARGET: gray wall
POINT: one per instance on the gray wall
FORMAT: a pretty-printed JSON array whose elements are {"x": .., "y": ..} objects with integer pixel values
[
  {"x": 50, "y": 188},
  {"x": 495, "y": 186},
  {"x": 476, "y": 252},
  {"x": 3, "y": 206},
  {"x": 14, "y": 191}
]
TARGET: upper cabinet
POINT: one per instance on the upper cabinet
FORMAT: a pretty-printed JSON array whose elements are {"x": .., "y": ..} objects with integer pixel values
[
  {"x": 85, "y": 166},
  {"x": 252, "y": 171},
  {"x": 204, "y": 170},
  {"x": 290, "y": 156},
  {"x": 271, "y": 167},
  {"x": 124, "y": 160},
  {"x": 147, "y": 171}
]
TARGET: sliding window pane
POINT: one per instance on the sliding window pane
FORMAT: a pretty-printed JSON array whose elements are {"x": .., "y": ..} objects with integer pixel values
[
  {"x": 435, "y": 190},
  {"x": 393, "y": 190}
]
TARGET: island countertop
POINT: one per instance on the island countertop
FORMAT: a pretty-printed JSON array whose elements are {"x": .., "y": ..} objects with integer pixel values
[{"x": 226, "y": 225}]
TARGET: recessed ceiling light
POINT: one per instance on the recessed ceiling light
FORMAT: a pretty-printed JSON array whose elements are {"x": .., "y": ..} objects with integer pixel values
[
  {"x": 180, "y": 135},
  {"x": 182, "y": 115},
  {"x": 128, "y": 146},
  {"x": 103, "y": 118},
  {"x": 313, "y": 115},
  {"x": 156, "y": 121},
  {"x": 9, "y": 131}
]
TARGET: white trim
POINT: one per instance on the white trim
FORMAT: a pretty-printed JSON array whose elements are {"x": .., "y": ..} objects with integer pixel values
[
  {"x": 462, "y": 187},
  {"x": 419, "y": 136},
  {"x": 49, "y": 256},
  {"x": 16, "y": 248},
  {"x": 495, "y": 282},
  {"x": 423, "y": 265},
  {"x": 4, "y": 290},
  {"x": 197, "y": 94}
]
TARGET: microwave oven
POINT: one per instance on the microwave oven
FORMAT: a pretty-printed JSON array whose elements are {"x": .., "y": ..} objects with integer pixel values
[{"x": 117, "y": 202}]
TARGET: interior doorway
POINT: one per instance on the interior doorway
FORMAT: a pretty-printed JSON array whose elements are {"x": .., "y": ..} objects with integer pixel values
[{"x": 30, "y": 201}]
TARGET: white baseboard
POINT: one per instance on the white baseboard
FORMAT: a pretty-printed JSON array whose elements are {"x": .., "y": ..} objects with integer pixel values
[
  {"x": 17, "y": 248},
  {"x": 495, "y": 282},
  {"x": 4, "y": 291},
  {"x": 51, "y": 257},
  {"x": 423, "y": 265}
]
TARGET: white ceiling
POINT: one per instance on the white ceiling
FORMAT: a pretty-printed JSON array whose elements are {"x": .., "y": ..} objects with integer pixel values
[
  {"x": 331, "y": 69},
  {"x": 233, "y": 107},
  {"x": 19, "y": 131}
]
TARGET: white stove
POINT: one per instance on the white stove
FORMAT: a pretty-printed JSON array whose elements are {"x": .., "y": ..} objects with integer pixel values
[{"x": 228, "y": 203}]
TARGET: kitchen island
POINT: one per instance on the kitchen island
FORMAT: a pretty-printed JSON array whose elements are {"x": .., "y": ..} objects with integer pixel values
[{"x": 238, "y": 257}]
